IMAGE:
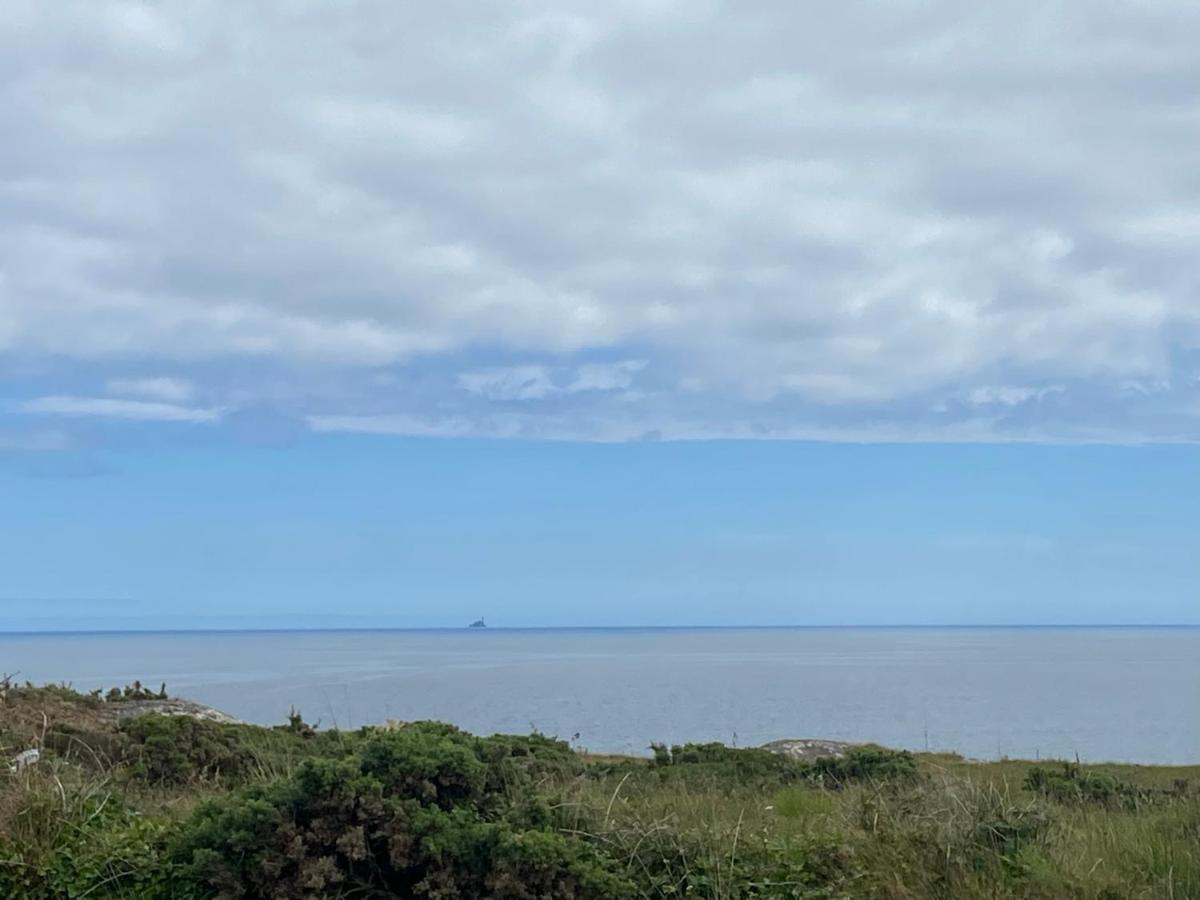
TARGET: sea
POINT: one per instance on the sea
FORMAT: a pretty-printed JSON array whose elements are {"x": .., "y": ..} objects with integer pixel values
[{"x": 1097, "y": 694}]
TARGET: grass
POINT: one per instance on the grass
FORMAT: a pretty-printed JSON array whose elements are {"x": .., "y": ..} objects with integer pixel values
[{"x": 696, "y": 821}]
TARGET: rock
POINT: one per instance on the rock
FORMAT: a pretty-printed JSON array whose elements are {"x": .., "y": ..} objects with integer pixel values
[
  {"x": 124, "y": 710},
  {"x": 808, "y": 748},
  {"x": 24, "y": 760}
]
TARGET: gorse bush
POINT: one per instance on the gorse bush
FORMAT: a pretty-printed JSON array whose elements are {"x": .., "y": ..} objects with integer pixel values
[
  {"x": 178, "y": 749},
  {"x": 863, "y": 764},
  {"x": 135, "y": 691},
  {"x": 1072, "y": 784},
  {"x": 714, "y": 760},
  {"x": 415, "y": 813},
  {"x": 180, "y": 809}
]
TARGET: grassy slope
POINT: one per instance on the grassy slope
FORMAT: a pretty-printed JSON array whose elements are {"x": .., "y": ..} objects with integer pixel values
[{"x": 733, "y": 825}]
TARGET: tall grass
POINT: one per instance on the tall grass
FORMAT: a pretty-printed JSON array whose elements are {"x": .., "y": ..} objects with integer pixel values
[
  {"x": 970, "y": 832},
  {"x": 97, "y": 817}
]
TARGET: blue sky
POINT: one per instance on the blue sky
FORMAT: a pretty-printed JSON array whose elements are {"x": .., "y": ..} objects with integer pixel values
[
  {"x": 168, "y": 531},
  {"x": 647, "y": 311}
]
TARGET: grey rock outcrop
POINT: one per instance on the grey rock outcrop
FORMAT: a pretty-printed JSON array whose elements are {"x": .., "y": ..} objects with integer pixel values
[
  {"x": 808, "y": 748},
  {"x": 125, "y": 710}
]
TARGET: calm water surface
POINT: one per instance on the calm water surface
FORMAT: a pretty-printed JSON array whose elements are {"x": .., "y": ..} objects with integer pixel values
[{"x": 1106, "y": 694}]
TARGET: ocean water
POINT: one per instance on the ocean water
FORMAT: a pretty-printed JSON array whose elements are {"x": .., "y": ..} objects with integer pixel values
[{"x": 1130, "y": 694}]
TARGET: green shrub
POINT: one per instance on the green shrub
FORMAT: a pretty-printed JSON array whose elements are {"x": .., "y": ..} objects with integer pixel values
[
  {"x": 873, "y": 764},
  {"x": 63, "y": 692},
  {"x": 180, "y": 749},
  {"x": 95, "y": 749},
  {"x": 61, "y": 836},
  {"x": 1075, "y": 785},
  {"x": 420, "y": 812},
  {"x": 733, "y": 765},
  {"x": 436, "y": 766},
  {"x": 716, "y": 762}
]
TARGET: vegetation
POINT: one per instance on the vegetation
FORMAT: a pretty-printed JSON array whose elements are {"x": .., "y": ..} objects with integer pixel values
[{"x": 174, "y": 807}]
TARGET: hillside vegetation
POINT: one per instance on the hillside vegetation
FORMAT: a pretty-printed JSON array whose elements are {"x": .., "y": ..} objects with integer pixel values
[{"x": 174, "y": 807}]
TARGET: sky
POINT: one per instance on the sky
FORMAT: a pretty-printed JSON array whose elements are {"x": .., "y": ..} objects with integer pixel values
[{"x": 641, "y": 312}]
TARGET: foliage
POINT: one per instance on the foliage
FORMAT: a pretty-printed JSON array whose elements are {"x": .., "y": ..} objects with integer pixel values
[
  {"x": 875, "y": 764},
  {"x": 179, "y": 749},
  {"x": 714, "y": 762},
  {"x": 166, "y": 807},
  {"x": 1070, "y": 785},
  {"x": 61, "y": 836},
  {"x": 415, "y": 813},
  {"x": 135, "y": 691},
  {"x": 734, "y": 765},
  {"x": 958, "y": 839}
]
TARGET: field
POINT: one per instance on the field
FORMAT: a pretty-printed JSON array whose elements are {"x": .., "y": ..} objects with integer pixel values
[{"x": 173, "y": 807}]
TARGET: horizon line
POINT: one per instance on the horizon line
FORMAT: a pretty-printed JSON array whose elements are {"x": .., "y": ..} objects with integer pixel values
[{"x": 34, "y": 632}]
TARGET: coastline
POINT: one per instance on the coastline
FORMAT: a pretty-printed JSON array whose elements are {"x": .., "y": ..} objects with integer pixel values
[{"x": 156, "y": 797}]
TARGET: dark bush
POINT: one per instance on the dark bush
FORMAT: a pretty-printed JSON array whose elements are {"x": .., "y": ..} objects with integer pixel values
[
  {"x": 433, "y": 765},
  {"x": 421, "y": 812},
  {"x": 741, "y": 765},
  {"x": 92, "y": 748},
  {"x": 179, "y": 749},
  {"x": 874, "y": 764},
  {"x": 1073, "y": 784},
  {"x": 717, "y": 762}
]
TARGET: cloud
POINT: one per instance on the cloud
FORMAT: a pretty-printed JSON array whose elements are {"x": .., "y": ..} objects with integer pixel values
[
  {"x": 514, "y": 383},
  {"x": 111, "y": 408},
  {"x": 537, "y": 382},
  {"x": 605, "y": 376},
  {"x": 34, "y": 441},
  {"x": 1010, "y": 395},
  {"x": 167, "y": 390},
  {"x": 885, "y": 219},
  {"x": 399, "y": 425}
]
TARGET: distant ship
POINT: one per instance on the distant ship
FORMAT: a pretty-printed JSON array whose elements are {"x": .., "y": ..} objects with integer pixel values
[{"x": 478, "y": 623}]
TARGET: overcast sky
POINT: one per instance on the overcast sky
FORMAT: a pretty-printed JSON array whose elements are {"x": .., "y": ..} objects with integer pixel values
[
  {"x": 891, "y": 220},
  {"x": 280, "y": 283}
]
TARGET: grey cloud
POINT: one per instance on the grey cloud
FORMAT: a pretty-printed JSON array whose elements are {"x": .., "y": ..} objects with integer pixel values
[{"x": 857, "y": 218}]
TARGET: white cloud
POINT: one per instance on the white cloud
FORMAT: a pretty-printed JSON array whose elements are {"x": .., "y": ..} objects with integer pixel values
[
  {"x": 399, "y": 425},
  {"x": 810, "y": 221},
  {"x": 537, "y": 382},
  {"x": 1010, "y": 395},
  {"x": 512, "y": 383},
  {"x": 34, "y": 441},
  {"x": 112, "y": 408},
  {"x": 605, "y": 376},
  {"x": 167, "y": 390}
]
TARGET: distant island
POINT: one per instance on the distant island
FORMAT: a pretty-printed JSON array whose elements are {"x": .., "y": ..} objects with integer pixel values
[{"x": 478, "y": 623}]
